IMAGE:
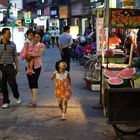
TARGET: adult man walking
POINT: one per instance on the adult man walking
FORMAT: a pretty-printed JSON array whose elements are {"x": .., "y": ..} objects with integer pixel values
[
  {"x": 57, "y": 34},
  {"x": 8, "y": 57},
  {"x": 65, "y": 41},
  {"x": 53, "y": 35}
]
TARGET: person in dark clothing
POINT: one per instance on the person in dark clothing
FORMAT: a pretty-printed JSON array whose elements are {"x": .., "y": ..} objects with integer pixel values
[
  {"x": 65, "y": 41},
  {"x": 8, "y": 67}
]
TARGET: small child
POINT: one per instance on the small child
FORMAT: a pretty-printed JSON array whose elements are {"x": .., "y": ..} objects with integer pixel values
[
  {"x": 27, "y": 51},
  {"x": 62, "y": 86}
]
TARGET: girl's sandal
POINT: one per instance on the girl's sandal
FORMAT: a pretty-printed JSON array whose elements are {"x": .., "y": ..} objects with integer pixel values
[
  {"x": 63, "y": 117},
  {"x": 34, "y": 104}
]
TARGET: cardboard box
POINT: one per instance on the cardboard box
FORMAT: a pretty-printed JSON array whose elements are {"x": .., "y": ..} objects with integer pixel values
[{"x": 95, "y": 87}]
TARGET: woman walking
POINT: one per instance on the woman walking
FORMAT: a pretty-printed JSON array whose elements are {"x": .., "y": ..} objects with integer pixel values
[{"x": 37, "y": 64}]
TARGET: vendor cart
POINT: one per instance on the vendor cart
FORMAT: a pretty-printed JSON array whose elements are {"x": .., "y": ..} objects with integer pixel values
[{"x": 122, "y": 108}]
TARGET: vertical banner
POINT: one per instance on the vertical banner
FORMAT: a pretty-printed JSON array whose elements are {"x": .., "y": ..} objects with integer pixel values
[
  {"x": 20, "y": 32},
  {"x": 102, "y": 36}
]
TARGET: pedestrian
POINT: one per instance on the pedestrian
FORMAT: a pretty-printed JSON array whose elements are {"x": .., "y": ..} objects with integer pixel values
[
  {"x": 37, "y": 64},
  {"x": 47, "y": 38},
  {"x": 53, "y": 35},
  {"x": 27, "y": 51},
  {"x": 57, "y": 34},
  {"x": 65, "y": 41},
  {"x": 88, "y": 30},
  {"x": 87, "y": 33},
  {"x": 9, "y": 67},
  {"x": 62, "y": 86}
]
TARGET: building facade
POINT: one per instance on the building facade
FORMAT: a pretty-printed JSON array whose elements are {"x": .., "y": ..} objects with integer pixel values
[{"x": 57, "y": 13}]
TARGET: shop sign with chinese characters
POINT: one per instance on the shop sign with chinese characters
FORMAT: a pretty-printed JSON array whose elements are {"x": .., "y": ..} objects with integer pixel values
[{"x": 102, "y": 35}]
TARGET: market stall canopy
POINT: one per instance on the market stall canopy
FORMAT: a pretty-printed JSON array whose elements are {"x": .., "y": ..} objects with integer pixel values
[
  {"x": 2, "y": 24},
  {"x": 3, "y": 6},
  {"x": 9, "y": 24},
  {"x": 113, "y": 42}
]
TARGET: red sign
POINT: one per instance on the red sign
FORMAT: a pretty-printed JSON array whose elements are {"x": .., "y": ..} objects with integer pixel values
[{"x": 20, "y": 29}]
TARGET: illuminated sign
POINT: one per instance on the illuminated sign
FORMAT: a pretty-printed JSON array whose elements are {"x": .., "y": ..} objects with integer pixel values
[
  {"x": 63, "y": 12},
  {"x": 54, "y": 12},
  {"x": 96, "y": 3},
  {"x": 28, "y": 20}
]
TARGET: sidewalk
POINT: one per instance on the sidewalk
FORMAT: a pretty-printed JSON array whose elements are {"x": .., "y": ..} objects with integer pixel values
[{"x": 43, "y": 123}]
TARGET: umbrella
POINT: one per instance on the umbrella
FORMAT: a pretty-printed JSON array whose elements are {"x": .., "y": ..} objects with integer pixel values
[{"x": 114, "y": 41}]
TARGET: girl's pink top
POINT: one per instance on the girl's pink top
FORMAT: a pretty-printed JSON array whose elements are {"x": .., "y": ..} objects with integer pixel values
[
  {"x": 29, "y": 45},
  {"x": 37, "y": 60}
]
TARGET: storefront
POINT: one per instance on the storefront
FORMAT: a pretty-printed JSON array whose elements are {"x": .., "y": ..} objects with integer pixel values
[
  {"x": 41, "y": 22},
  {"x": 121, "y": 97},
  {"x": 79, "y": 16},
  {"x": 64, "y": 15},
  {"x": 54, "y": 17}
]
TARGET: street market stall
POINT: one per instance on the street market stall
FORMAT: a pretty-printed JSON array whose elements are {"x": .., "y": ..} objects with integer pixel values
[{"x": 120, "y": 97}]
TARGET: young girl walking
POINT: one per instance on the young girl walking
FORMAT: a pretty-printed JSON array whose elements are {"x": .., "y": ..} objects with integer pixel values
[
  {"x": 62, "y": 86},
  {"x": 27, "y": 51}
]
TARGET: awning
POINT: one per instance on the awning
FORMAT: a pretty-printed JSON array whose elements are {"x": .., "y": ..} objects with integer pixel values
[{"x": 3, "y": 6}]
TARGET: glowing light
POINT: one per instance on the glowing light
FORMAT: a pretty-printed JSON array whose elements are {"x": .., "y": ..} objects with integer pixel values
[{"x": 74, "y": 30}]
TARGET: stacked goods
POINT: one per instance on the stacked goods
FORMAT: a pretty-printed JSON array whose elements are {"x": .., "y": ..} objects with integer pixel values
[
  {"x": 110, "y": 74},
  {"x": 92, "y": 77},
  {"x": 127, "y": 73},
  {"x": 115, "y": 82},
  {"x": 123, "y": 77}
]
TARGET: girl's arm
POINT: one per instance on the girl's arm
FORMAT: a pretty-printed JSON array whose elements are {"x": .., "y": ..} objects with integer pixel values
[
  {"x": 69, "y": 78},
  {"x": 40, "y": 53},
  {"x": 53, "y": 76},
  {"x": 26, "y": 46}
]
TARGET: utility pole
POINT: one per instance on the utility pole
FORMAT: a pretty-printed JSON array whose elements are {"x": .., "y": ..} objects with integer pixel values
[{"x": 8, "y": 9}]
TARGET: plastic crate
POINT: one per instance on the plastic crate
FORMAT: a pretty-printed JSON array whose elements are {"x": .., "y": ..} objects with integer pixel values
[{"x": 95, "y": 87}]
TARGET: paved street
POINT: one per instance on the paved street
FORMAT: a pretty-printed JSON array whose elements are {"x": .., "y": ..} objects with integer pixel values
[{"x": 43, "y": 123}]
